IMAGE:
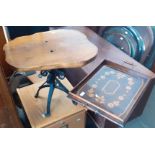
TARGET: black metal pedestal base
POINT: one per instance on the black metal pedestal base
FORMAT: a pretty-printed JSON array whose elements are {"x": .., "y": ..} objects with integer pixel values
[{"x": 52, "y": 82}]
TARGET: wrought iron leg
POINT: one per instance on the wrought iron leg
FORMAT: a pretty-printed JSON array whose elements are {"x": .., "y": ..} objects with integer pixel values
[
  {"x": 42, "y": 86},
  {"x": 75, "y": 103},
  {"x": 60, "y": 86},
  {"x": 52, "y": 82},
  {"x": 48, "y": 110}
]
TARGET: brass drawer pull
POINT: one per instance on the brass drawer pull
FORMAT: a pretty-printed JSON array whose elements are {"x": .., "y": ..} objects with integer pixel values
[
  {"x": 64, "y": 125},
  {"x": 78, "y": 119}
]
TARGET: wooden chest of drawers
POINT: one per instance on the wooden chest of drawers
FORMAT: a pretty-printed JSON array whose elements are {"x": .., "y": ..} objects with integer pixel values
[
  {"x": 63, "y": 112},
  {"x": 74, "y": 121}
]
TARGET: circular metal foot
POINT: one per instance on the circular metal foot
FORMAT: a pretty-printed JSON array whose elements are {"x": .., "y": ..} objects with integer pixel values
[
  {"x": 75, "y": 103},
  {"x": 44, "y": 115},
  {"x": 36, "y": 96}
]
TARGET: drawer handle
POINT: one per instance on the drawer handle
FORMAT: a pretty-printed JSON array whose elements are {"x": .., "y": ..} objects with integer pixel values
[
  {"x": 64, "y": 125},
  {"x": 78, "y": 119}
]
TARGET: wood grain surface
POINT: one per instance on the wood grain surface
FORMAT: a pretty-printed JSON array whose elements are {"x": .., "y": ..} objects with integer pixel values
[
  {"x": 61, "y": 106},
  {"x": 50, "y": 50},
  {"x": 34, "y": 78}
]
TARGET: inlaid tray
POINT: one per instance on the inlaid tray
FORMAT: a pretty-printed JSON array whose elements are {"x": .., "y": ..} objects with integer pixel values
[{"x": 111, "y": 90}]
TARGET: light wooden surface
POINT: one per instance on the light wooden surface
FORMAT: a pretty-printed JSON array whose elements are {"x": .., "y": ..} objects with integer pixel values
[
  {"x": 35, "y": 79},
  {"x": 76, "y": 120},
  {"x": 61, "y": 108},
  {"x": 50, "y": 50}
]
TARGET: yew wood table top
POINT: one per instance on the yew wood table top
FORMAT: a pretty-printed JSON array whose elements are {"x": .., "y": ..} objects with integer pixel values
[{"x": 50, "y": 50}]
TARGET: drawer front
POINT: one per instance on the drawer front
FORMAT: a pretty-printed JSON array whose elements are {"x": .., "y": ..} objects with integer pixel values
[{"x": 74, "y": 121}]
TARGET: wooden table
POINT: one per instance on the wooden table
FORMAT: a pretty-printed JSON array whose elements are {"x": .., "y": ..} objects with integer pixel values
[{"x": 51, "y": 50}]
